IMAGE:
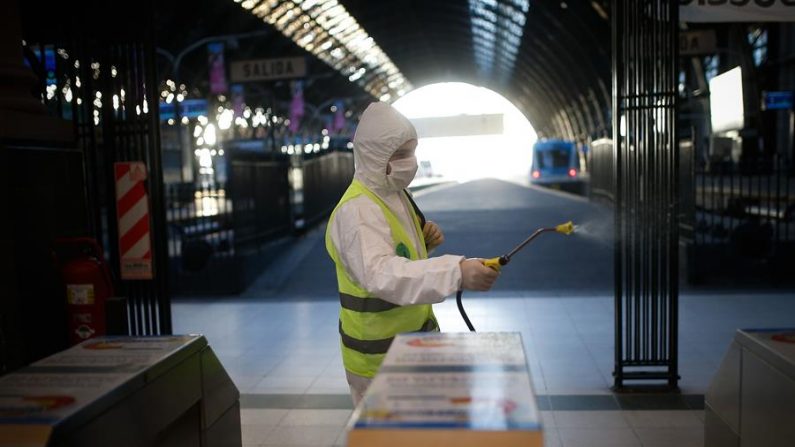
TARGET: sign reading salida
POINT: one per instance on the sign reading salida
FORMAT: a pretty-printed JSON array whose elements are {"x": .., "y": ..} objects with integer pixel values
[{"x": 268, "y": 69}]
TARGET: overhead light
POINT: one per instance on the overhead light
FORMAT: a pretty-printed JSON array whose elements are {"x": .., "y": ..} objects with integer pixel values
[
  {"x": 326, "y": 29},
  {"x": 600, "y": 10}
]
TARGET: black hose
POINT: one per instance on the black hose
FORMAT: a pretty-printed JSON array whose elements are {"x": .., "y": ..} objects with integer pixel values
[{"x": 463, "y": 312}]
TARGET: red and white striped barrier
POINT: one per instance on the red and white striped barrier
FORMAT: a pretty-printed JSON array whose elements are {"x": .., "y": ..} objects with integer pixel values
[{"x": 132, "y": 212}]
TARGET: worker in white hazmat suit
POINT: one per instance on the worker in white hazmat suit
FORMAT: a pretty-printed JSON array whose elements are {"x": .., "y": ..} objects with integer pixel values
[{"x": 379, "y": 242}]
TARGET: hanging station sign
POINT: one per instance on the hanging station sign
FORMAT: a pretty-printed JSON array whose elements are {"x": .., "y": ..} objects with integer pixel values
[
  {"x": 268, "y": 69},
  {"x": 737, "y": 10},
  {"x": 778, "y": 100},
  {"x": 694, "y": 43},
  {"x": 727, "y": 109},
  {"x": 191, "y": 108}
]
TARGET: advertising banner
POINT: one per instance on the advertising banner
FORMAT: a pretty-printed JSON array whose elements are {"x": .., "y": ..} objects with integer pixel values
[
  {"x": 217, "y": 68},
  {"x": 339, "y": 122},
  {"x": 238, "y": 99},
  {"x": 296, "y": 106}
]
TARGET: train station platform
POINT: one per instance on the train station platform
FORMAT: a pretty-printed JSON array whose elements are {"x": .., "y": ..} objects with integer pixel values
[{"x": 278, "y": 340}]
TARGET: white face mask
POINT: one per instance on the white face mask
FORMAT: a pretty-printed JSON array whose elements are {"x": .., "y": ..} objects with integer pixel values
[{"x": 401, "y": 173}]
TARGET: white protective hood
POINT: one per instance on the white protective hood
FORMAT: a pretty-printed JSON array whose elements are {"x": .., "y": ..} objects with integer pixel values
[{"x": 381, "y": 131}]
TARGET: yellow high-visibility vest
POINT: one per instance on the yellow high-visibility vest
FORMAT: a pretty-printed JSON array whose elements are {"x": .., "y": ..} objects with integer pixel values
[{"x": 369, "y": 323}]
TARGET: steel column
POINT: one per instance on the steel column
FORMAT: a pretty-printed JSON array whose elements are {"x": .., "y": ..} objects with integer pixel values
[{"x": 646, "y": 173}]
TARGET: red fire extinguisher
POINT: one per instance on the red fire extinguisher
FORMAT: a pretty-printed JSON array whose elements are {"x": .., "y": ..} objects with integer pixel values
[{"x": 88, "y": 286}]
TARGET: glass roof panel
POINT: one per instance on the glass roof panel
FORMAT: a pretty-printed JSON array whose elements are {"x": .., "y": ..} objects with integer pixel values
[
  {"x": 497, "y": 29},
  {"x": 327, "y": 30}
]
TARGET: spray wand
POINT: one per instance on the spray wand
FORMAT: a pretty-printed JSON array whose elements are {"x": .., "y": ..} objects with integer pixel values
[{"x": 498, "y": 262}]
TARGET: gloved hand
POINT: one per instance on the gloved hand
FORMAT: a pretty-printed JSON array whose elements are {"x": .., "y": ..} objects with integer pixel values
[
  {"x": 476, "y": 276},
  {"x": 433, "y": 235}
]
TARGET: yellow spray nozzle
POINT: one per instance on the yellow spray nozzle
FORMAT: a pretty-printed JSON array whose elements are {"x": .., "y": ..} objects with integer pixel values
[{"x": 566, "y": 228}]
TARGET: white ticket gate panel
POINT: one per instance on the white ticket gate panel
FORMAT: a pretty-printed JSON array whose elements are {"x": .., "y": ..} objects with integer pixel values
[
  {"x": 165, "y": 391},
  {"x": 462, "y": 389},
  {"x": 751, "y": 400}
]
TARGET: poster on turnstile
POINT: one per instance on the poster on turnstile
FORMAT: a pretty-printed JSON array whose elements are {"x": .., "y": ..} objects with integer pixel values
[
  {"x": 116, "y": 354},
  {"x": 47, "y": 398},
  {"x": 439, "y": 349},
  {"x": 460, "y": 389}
]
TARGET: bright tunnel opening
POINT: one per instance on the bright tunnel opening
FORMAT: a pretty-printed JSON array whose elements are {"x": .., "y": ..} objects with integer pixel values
[{"x": 467, "y": 133}]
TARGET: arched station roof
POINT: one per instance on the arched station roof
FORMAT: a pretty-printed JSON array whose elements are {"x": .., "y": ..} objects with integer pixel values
[
  {"x": 551, "y": 58},
  {"x": 559, "y": 75}
]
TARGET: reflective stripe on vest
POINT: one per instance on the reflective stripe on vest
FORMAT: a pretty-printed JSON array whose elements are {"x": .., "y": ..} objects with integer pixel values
[
  {"x": 370, "y": 304},
  {"x": 379, "y": 346}
]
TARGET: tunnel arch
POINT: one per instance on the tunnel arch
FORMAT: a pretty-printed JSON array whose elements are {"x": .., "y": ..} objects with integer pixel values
[{"x": 471, "y": 154}]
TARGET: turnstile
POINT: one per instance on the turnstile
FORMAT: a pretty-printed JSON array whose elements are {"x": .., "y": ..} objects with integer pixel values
[
  {"x": 751, "y": 401},
  {"x": 122, "y": 391},
  {"x": 461, "y": 389}
]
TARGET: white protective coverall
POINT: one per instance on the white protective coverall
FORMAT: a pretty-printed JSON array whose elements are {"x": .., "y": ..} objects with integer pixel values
[{"x": 361, "y": 233}]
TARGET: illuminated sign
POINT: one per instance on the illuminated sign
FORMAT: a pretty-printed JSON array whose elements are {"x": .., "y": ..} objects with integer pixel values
[
  {"x": 726, "y": 101},
  {"x": 777, "y": 100},
  {"x": 191, "y": 108}
]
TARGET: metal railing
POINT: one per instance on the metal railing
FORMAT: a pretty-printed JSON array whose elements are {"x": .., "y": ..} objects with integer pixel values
[
  {"x": 736, "y": 219},
  {"x": 200, "y": 236},
  {"x": 216, "y": 228},
  {"x": 259, "y": 191},
  {"x": 220, "y": 234},
  {"x": 645, "y": 55},
  {"x": 325, "y": 180},
  {"x": 742, "y": 220}
]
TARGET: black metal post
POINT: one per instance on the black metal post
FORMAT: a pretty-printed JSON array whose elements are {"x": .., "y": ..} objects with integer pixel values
[{"x": 646, "y": 189}]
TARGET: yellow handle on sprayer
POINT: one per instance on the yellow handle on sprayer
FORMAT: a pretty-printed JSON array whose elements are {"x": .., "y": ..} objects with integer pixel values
[{"x": 493, "y": 263}]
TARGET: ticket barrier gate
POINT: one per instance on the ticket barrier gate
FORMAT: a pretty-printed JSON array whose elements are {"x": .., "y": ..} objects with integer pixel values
[
  {"x": 164, "y": 391},
  {"x": 751, "y": 400},
  {"x": 457, "y": 389}
]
